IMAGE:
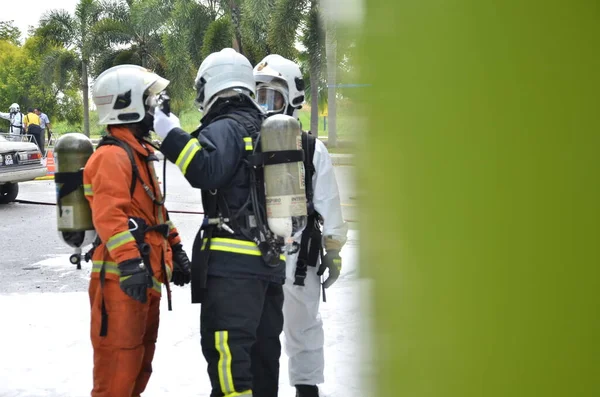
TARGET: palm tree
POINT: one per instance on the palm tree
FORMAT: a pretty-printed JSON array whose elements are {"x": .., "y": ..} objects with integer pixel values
[
  {"x": 331, "y": 51},
  {"x": 130, "y": 32},
  {"x": 256, "y": 18},
  {"x": 183, "y": 41},
  {"x": 285, "y": 20},
  {"x": 77, "y": 33},
  {"x": 217, "y": 36},
  {"x": 287, "y": 17},
  {"x": 236, "y": 16},
  {"x": 313, "y": 41}
]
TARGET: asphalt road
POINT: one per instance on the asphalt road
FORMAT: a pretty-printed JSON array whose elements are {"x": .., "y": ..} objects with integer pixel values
[{"x": 34, "y": 258}]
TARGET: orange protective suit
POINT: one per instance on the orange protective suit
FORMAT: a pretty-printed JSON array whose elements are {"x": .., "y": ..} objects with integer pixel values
[{"x": 123, "y": 356}]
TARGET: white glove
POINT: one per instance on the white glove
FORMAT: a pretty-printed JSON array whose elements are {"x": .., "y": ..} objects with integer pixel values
[{"x": 164, "y": 124}]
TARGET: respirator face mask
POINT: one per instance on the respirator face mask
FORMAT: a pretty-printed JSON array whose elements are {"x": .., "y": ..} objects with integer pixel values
[
  {"x": 154, "y": 100},
  {"x": 273, "y": 100}
]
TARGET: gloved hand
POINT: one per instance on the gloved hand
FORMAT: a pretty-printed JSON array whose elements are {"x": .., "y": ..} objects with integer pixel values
[
  {"x": 333, "y": 262},
  {"x": 164, "y": 124},
  {"x": 181, "y": 266},
  {"x": 135, "y": 279}
]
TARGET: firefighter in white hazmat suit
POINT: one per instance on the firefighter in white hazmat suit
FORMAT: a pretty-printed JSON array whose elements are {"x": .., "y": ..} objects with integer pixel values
[
  {"x": 280, "y": 90},
  {"x": 15, "y": 117}
]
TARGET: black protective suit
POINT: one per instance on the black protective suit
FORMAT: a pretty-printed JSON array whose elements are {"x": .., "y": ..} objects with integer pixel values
[{"x": 241, "y": 314}]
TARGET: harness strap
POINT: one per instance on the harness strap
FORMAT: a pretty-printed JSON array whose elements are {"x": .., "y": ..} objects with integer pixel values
[
  {"x": 110, "y": 140},
  {"x": 200, "y": 251},
  {"x": 104, "y": 313},
  {"x": 308, "y": 254},
  {"x": 276, "y": 157},
  {"x": 69, "y": 182}
]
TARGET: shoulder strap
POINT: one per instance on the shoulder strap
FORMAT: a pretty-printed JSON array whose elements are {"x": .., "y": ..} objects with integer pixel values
[
  {"x": 309, "y": 143},
  {"x": 109, "y": 140}
]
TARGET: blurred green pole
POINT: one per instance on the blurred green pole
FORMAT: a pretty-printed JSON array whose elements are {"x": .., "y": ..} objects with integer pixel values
[{"x": 480, "y": 214}]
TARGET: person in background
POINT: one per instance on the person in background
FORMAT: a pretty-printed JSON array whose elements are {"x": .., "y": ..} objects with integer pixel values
[
  {"x": 44, "y": 123},
  {"x": 31, "y": 124},
  {"x": 15, "y": 118}
]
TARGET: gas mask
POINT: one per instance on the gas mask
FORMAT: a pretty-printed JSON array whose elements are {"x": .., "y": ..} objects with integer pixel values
[
  {"x": 150, "y": 103},
  {"x": 272, "y": 98}
]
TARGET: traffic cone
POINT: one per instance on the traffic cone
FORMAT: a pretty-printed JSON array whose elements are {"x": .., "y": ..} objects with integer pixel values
[{"x": 50, "y": 165}]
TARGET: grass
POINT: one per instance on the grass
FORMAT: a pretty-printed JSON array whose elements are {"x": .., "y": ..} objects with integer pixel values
[{"x": 347, "y": 122}]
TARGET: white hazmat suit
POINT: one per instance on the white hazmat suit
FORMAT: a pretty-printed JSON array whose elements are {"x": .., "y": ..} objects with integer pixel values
[
  {"x": 15, "y": 117},
  {"x": 303, "y": 327},
  {"x": 280, "y": 90}
]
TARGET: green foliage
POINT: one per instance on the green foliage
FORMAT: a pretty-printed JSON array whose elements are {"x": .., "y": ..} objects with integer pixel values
[
  {"x": 172, "y": 37},
  {"x": 218, "y": 36},
  {"x": 285, "y": 20},
  {"x": 9, "y": 32},
  {"x": 58, "y": 27},
  {"x": 313, "y": 58},
  {"x": 130, "y": 32},
  {"x": 26, "y": 80},
  {"x": 75, "y": 33},
  {"x": 183, "y": 42},
  {"x": 255, "y": 27}
]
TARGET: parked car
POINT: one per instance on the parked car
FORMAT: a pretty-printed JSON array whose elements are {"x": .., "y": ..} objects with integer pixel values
[{"x": 20, "y": 161}]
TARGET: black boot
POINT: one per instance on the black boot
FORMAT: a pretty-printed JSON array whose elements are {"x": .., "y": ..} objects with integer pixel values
[{"x": 307, "y": 391}]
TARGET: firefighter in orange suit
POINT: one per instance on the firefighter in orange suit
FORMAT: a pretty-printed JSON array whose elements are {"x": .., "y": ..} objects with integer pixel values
[{"x": 139, "y": 248}]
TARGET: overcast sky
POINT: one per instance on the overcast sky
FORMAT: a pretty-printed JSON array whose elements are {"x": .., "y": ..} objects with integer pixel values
[{"x": 28, "y": 12}]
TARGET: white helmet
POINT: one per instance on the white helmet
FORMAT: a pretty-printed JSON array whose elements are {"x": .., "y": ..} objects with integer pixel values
[
  {"x": 279, "y": 74},
  {"x": 220, "y": 72},
  {"x": 119, "y": 94},
  {"x": 14, "y": 108}
]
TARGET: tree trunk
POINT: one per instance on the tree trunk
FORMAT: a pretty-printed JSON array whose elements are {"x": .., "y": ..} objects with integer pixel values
[
  {"x": 314, "y": 100},
  {"x": 86, "y": 101},
  {"x": 330, "y": 50},
  {"x": 237, "y": 31}
]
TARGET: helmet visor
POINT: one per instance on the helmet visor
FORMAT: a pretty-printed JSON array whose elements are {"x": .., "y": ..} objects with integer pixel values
[
  {"x": 271, "y": 99},
  {"x": 158, "y": 85}
]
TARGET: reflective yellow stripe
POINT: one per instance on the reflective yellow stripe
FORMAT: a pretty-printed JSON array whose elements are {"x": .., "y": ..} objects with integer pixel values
[
  {"x": 232, "y": 245},
  {"x": 233, "y": 241},
  {"x": 87, "y": 190},
  {"x": 119, "y": 239},
  {"x": 225, "y": 377},
  {"x": 248, "y": 142},
  {"x": 171, "y": 225},
  {"x": 187, "y": 154},
  {"x": 109, "y": 267},
  {"x": 235, "y": 246}
]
